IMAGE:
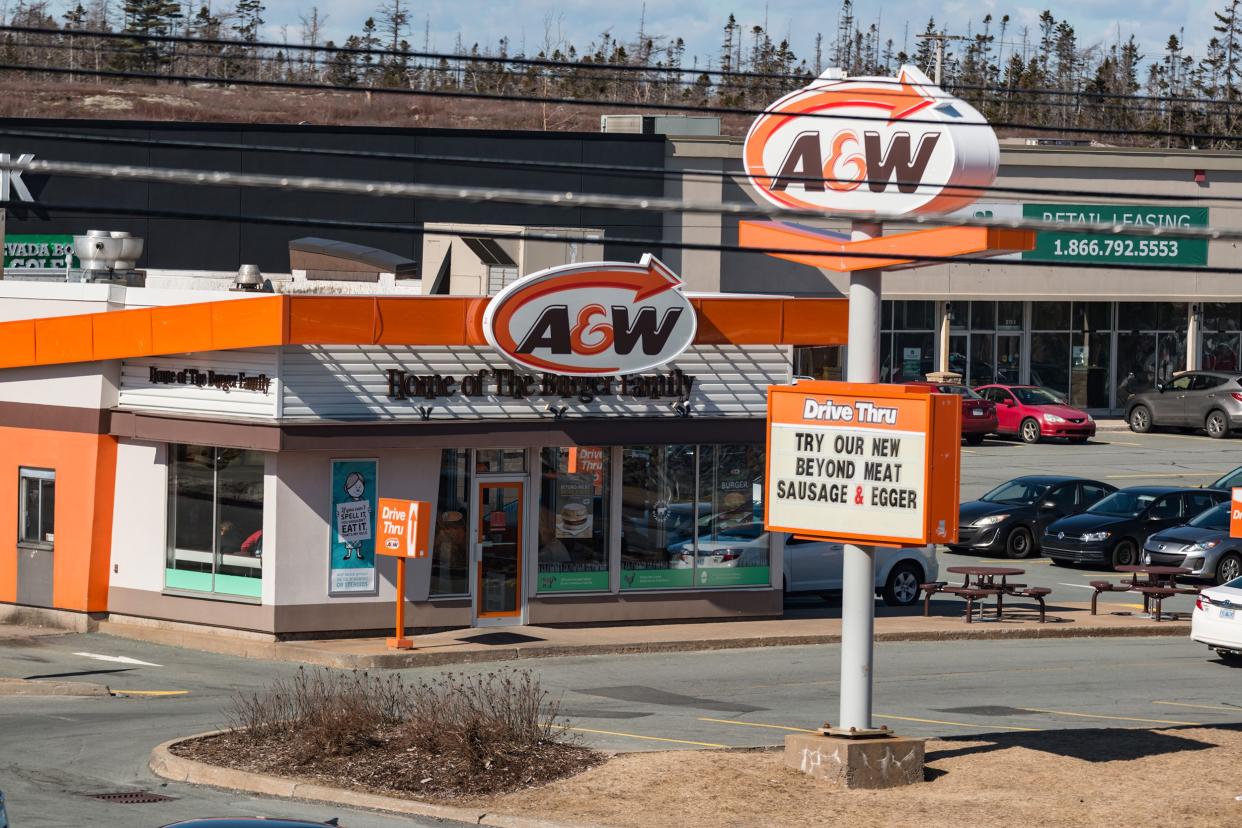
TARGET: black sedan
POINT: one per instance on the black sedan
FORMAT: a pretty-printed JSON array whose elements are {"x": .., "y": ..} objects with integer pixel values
[
  {"x": 1113, "y": 531},
  {"x": 1012, "y": 517}
]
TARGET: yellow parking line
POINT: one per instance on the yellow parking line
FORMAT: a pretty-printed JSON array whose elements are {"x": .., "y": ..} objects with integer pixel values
[
  {"x": 1114, "y": 718},
  {"x": 1201, "y": 706},
  {"x": 645, "y": 738},
  {"x": 1120, "y": 443},
  {"x": 757, "y": 724},
  {"x": 151, "y": 692},
  {"x": 956, "y": 724}
]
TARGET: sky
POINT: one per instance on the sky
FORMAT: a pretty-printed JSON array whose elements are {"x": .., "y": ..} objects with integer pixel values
[{"x": 700, "y": 22}]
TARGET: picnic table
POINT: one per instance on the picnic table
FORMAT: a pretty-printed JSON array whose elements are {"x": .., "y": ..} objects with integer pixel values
[
  {"x": 1160, "y": 583},
  {"x": 985, "y": 585}
]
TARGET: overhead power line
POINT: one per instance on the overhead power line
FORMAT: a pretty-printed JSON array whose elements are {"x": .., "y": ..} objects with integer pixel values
[
  {"x": 586, "y": 102},
  {"x": 579, "y": 167},
  {"x": 536, "y": 235},
  {"x": 543, "y": 198},
  {"x": 585, "y": 65}
]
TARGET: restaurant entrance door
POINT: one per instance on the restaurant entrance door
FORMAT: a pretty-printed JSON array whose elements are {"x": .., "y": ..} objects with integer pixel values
[{"x": 500, "y": 535}]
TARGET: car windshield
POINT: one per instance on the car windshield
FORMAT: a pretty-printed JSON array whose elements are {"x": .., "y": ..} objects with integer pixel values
[
  {"x": 1036, "y": 396},
  {"x": 1020, "y": 492},
  {"x": 1122, "y": 504},
  {"x": 960, "y": 390},
  {"x": 1216, "y": 519},
  {"x": 1234, "y": 478}
]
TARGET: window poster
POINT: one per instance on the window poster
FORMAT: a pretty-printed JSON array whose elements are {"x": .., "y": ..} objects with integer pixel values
[
  {"x": 351, "y": 549},
  {"x": 575, "y": 515}
]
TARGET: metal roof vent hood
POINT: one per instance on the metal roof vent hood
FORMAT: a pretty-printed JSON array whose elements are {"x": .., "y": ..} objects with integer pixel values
[
  {"x": 250, "y": 280},
  {"x": 108, "y": 256}
]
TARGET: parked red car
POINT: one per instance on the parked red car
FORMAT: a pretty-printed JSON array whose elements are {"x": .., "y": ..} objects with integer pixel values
[
  {"x": 978, "y": 414},
  {"x": 1032, "y": 413}
]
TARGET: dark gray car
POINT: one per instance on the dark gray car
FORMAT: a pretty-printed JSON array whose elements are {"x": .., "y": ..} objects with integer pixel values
[
  {"x": 1210, "y": 400},
  {"x": 1203, "y": 545}
]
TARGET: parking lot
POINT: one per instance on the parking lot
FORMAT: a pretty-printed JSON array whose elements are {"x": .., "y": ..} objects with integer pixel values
[{"x": 1115, "y": 456}]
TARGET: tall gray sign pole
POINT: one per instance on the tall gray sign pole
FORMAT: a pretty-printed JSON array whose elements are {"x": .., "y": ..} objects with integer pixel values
[{"x": 858, "y": 571}]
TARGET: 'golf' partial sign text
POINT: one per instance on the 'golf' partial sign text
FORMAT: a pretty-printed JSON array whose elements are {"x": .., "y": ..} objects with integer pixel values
[{"x": 866, "y": 463}]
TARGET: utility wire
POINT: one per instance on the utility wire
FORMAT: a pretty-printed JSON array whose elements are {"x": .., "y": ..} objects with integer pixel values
[
  {"x": 543, "y": 198},
  {"x": 620, "y": 241},
  {"x": 577, "y": 167},
  {"x": 800, "y": 78},
  {"x": 586, "y": 102}
]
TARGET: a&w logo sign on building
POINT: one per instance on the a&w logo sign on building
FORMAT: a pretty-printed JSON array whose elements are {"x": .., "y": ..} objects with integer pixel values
[
  {"x": 871, "y": 145},
  {"x": 592, "y": 320}
]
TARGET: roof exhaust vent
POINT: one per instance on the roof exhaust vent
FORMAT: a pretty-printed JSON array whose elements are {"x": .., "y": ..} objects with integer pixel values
[{"x": 249, "y": 279}]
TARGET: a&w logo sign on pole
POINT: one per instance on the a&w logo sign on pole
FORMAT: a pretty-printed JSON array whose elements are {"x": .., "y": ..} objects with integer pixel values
[
  {"x": 592, "y": 320},
  {"x": 871, "y": 145}
]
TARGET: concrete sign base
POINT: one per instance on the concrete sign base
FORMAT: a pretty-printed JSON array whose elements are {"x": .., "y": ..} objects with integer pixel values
[{"x": 857, "y": 763}]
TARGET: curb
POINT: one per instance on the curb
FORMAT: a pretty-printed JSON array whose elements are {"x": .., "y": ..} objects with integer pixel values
[
  {"x": 293, "y": 652},
  {"x": 166, "y": 765},
  {"x": 32, "y": 687}
]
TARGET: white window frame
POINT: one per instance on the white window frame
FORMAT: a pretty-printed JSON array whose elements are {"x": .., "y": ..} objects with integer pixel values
[{"x": 27, "y": 474}]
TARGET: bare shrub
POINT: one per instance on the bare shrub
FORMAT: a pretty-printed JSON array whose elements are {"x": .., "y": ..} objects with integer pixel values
[
  {"x": 480, "y": 720},
  {"x": 325, "y": 712},
  {"x": 473, "y": 722}
]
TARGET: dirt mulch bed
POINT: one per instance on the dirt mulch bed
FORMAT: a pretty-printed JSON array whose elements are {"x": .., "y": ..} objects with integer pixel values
[
  {"x": 1063, "y": 779},
  {"x": 391, "y": 765}
]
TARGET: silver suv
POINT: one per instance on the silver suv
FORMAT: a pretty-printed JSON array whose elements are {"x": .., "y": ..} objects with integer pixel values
[{"x": 1210, "y": 400}]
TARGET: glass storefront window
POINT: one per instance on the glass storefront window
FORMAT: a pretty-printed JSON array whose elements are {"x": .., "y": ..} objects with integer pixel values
[
  {"x": 1090, "y": 354},
  {"x": 1221, "y": 316},
  {"x": 959, "y": 315},
  {"x": 1050, "y": 316},
  {"x": 499, "y": 461},
  {"x": 1172, "y": 316},
  {"x": 914, "y": 315},
  {"x": 450, "y": 547},
  {"x": 982, "y": 368},
  {"x": 215, "y": 520},
  {"x": 983, "y": 316},
  {"x": 912, "y": 355},
  {"x": 958, "y": 345},
  {"x": 658, "y": 516},
  {"x": 823, "y": 362},
  {"x": 1009, "y": 316},
  {"x": 1136, "y": 316},
  {"x": 1050, "y": 361},
  {"x": 573, "y": 519},
  {"x": 1220, "y": 352},
  {"x": 1093, "y": 317},
  {"x": 732, "y": 545}
]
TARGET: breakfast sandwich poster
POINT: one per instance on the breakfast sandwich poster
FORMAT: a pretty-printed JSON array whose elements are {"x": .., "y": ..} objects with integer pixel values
[{"x": 575, "y": 513}]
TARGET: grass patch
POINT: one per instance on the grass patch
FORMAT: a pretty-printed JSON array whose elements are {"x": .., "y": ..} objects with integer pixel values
[{"x": 446, "y": 738}]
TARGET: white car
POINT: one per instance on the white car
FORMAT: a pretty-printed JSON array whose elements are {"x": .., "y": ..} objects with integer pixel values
[
  {"x": 815, "y": 566},
  {"x": 1217, "y": 620}
]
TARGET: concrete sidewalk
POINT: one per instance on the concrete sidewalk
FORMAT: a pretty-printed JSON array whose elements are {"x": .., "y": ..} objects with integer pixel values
[{"x": 466, "y": 646}]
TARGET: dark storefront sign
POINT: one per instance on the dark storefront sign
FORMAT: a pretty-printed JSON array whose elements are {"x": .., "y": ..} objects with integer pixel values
[{"x": 1117, "y": 248}]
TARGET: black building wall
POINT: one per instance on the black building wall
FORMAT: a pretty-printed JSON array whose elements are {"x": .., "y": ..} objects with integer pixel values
[{"x": 223, "y": 244}]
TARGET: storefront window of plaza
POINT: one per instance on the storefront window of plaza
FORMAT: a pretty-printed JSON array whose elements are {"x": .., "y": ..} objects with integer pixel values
[
  {"x": 908, "y": 340},
  {"x": 1151, "y": 345},
  {"x": 215, "y": 520},
  {"x": 1220, "y": 336},
  {"x": 692, "y": 516},
  {"x": 450, "y": 549},
  {"x": 573, "y": 519}
]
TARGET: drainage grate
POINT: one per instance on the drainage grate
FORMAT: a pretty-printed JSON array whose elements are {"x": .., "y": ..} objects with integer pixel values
[{"x": 131, "y": 797}]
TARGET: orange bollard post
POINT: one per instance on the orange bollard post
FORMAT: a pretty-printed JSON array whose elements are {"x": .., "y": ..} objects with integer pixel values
[{"x": 399, "y": 641}]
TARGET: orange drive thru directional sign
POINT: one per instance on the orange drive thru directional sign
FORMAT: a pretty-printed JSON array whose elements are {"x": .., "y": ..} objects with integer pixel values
[
  {"x": 404, "y": 528},
  {"x": 1235, "y": 514},
  {"x": 863, "y": 463}
]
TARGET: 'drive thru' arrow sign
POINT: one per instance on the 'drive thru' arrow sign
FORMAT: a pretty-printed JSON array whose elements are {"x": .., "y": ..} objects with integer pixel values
[{"x": 593, "y": 319}]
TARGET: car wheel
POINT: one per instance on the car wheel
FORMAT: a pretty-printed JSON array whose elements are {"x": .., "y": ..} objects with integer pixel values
[
  {"x": 902, "y": 587},
  {"x": 974, "y": 439},
  {"x": 1019, "y": 543},
  {"x": 1125, "y": 553},
  {"x": 1228, "y": 568},
  {"x": 1216, "y": 424},
  {"x": 1140, "y": 419},
  {"x": 1029, "y": 430}
]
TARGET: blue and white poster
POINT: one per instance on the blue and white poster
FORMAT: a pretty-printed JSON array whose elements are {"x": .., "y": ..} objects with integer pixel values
[{"x": 351, "y": 551}]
